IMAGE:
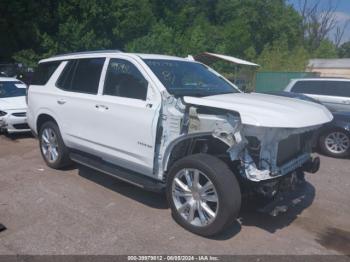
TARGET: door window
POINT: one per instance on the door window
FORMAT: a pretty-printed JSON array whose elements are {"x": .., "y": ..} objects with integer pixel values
[
  {"x": 82, "y": 75},
  {"x": 125, "y": 80},
  {"x": 327, "y": 88}
]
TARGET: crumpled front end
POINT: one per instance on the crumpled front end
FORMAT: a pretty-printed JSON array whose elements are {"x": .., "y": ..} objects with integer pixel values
[
  {"x": 273, "y": 152},
  {"x": 265, "y": 159}
]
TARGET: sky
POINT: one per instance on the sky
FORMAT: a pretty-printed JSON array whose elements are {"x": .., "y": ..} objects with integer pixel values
[{"x": 342, "y": 13}]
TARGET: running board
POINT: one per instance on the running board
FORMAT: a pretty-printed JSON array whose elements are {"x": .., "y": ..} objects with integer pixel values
[{"x": 120, "y": 173}]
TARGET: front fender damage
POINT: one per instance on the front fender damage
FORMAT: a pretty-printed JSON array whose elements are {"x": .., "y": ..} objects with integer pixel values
[{"x": 180, "y": 121}]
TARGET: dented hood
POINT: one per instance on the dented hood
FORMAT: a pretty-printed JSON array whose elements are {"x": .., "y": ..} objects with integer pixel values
[{"x": 267, "y": 110}]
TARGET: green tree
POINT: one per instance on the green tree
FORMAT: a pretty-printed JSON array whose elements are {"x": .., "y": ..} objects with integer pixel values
[
  {"x": 161, "y": 39},
  {"x": 93, "y": 24},
  {"x": 27, "y": 57},
  {"x": 344, "y": 50},
  {"x": 20, "y": 21},
  {"x": 278, "y": 57},
  {"x": 326, "y": 50},
  {"x": 265, "y": 20},
  {"x": 268, "y": 30},
  {"x": 87, "y": 25}
]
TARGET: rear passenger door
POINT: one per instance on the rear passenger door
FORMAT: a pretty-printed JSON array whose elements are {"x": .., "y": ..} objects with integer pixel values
[
  {"x": 333, "y": 94},
  {"x": 76, "y": 99},
  {"x": 126, "y": 116}
]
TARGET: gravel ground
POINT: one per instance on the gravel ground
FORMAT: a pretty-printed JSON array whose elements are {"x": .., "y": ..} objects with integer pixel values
[{"x": 80, "y": 211}]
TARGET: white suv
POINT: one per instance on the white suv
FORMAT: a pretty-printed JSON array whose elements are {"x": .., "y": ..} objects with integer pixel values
[
  {"x": 334, "y": 93},
  {"x": 167, "y": 123}
]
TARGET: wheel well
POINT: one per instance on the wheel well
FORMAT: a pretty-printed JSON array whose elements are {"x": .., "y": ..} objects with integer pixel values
[
  {"x": 334, "y": 128},
  {"x": 327, "y": 130},
  {"x": 42, "y": 119},
  {"x": 204, "y": 144}
]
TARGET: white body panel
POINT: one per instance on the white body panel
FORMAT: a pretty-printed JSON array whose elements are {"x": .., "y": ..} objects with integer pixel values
[
  {"x": 117, "y": 129},
  {"x": 267, "y": 110}
]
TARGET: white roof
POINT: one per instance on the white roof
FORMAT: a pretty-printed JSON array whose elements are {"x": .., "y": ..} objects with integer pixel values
[
  {"x": 227, "y": 58},
  {"x": 329, "y": 63},
  {"x": 103, "y": 53}
]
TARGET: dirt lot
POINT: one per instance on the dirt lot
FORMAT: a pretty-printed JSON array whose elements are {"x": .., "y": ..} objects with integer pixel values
[{"x": 80, "y": 211}]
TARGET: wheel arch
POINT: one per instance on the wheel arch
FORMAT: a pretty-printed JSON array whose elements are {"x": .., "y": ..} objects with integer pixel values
[
  {"x": 328, "y": 129},
  {"x": 191, "y": 144},
  {"x": 43, "y": 118}
]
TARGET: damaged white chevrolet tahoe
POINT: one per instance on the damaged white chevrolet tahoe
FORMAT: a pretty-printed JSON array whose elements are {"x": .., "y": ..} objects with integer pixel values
[{"x": 167, "y": 123}]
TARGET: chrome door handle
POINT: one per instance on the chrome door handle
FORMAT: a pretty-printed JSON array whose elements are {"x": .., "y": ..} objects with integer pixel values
[
  {"x": 102, "y": 107},
  {"x": 61, "y": 101}
]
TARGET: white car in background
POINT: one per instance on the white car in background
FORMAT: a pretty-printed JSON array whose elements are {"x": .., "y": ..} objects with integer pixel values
[
  {"x": 334, "y": 93},
  {"x": 13, "y": 108}
]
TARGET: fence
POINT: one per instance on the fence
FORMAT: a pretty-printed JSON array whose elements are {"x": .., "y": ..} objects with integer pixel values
[{"x": 276, "y": 81}]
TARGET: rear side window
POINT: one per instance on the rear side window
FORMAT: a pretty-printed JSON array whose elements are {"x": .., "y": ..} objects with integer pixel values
[
  {"x": 327, "y": 88},
  {"x": 66, "y": 77},
  {"x": 125, "y": 80},
  {"x": 43, "y": 72},
  {"x": 82, "y": 75}
]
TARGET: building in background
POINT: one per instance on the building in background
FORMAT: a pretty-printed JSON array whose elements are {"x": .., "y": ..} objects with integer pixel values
[{"x": 330, "y": 67}]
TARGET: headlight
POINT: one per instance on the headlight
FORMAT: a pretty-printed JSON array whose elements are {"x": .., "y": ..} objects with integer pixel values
[{"x": 2, "y": 113}]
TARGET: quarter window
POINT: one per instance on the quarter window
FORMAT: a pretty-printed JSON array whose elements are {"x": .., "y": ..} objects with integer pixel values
[
  {"x": 66, "y": 77},
  {"x": 327, "y": 88},
  {"x": 43, "y": 72},
  {"x": 125, "y": 80}
]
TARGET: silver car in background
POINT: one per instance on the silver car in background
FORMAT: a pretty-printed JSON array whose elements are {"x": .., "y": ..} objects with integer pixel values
[{"x": 334, "y": 93}]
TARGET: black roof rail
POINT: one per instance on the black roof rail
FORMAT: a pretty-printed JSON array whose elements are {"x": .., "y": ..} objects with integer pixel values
[{"x": 90, "y": 52}]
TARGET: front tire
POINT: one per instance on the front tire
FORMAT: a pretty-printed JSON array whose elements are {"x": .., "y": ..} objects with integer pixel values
[
  {"x": 203, "y": 194},
  {"x": 52, "y": 147},
  {"x": 335, "y": 143}
]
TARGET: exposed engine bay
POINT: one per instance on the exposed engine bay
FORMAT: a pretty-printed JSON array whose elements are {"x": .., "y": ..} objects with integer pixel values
[{"x": 260, "y": 154}]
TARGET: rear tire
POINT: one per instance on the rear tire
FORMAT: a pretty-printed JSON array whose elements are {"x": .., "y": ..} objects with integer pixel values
[
  {"x": 335, "y": 143},
  {"x": 208, "y": 207},
  {"x": 52, "y": 147}
]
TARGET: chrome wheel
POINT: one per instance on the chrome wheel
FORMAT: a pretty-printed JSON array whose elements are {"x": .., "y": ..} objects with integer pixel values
[
  {"x": 49, "y": 145},
  {"x": 195, "y": 197},
  {"x": 337, "y": 142}
]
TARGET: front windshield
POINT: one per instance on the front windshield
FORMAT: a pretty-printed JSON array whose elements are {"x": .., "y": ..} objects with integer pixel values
[
  {"x": 12, "y": 89},
  {"x": 182, "y": 78}
]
